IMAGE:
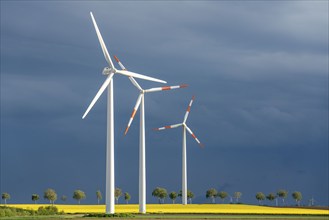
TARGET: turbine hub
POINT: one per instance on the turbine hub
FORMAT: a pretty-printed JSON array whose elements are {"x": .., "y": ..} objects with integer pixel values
[{"x": 107, "y": 71}]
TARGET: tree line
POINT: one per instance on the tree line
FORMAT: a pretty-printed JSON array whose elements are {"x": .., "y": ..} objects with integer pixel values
[
  {"x": 260, "y": 196},
  {"x": 51, "y": 196},
  {"x": 161, "y": 194},
  {"x": 283, "y": 194},
  {"x": 212, "y": 194}
]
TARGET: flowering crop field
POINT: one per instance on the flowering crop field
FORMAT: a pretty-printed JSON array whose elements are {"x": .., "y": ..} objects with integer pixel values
[{"x": 179, "y": 209}]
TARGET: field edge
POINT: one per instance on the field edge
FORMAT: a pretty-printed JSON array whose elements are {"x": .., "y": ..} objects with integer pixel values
[{"x": 171, "y": 209}]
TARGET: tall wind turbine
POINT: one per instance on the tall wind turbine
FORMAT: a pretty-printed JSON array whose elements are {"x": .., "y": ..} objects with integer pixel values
[
  {"x": 140, "y": 101},
  {"x": 109, "y": 71},
  {"x": 184, "y": 167}
]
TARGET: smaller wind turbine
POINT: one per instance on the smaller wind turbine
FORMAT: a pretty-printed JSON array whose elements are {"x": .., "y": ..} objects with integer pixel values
[
  {"x": 311, "y": 201},
  {"x": 140, "y": 101},
  {"x": 184, "y": 167}
]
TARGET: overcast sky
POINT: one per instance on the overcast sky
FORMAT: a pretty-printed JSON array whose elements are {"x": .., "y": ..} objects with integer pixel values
[{"x": 258, "y": 69}]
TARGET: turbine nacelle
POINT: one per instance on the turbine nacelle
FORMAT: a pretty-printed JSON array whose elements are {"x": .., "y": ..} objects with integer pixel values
[{"x": 107, "y": 71}]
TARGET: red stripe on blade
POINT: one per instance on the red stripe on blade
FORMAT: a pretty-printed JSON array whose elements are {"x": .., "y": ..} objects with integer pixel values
[
  {"x": 126, "y": 130},
  {"x": 193, "y": 136},
  {"x": 167, "y": 126},
  {"x": 115, "y": 57},
  {"x": 133, "y": 114},
  {"x": 166, "y": 88}
]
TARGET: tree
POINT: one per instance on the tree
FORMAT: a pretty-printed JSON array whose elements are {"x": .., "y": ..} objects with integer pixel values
[
  {"x": 64, "y": 198},
  {"x": 163, "y": 194},
  {"x": 260, "y": 197},
  {"x": 271, "y": 197},
  {"x": 282, "y": 194},
  {"x": 190, "y": 196},
  {"x": 237, "y": 196},
  {"x": 297, "y": 196},
  {"x": 98, "y": 196},
  {"x": 222, "y": 195},
  {"x": 117, "y": 194},
  {"x": 127, "y": 197},
  {"x": 211, "y": 193},
  {"x": 156, "y": 193},
  {"x": 35, "y": 198},
  {"x": 50, "y": 195},
  {"x": 5, "y": 196},
  {"x": 173, "y": 196},
  {"x": 160, "y": 193},
  {"x": 79, "y": 195}
]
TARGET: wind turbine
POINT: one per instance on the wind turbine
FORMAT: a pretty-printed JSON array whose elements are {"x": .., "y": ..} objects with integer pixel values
[
  {"x": 184, "y": 167},
  {"x": 109, "y": 71},
  {"x": 140, "y": 102}
]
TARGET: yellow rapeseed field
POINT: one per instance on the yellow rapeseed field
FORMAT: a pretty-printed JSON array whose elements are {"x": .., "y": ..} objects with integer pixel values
[{"x": 177, "y": 208}]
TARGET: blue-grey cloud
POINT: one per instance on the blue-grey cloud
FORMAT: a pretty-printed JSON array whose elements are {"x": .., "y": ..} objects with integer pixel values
[{"x": 259, "y": 71}]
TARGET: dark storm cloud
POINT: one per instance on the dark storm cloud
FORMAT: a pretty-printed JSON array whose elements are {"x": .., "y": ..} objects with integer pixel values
[{"x": 259, "y": 71}]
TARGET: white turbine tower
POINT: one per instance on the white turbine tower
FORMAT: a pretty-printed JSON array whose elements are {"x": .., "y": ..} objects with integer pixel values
[
  {"x": 184, "y": 167},
  {"x": 109, "y": 71},
  {"x": 140, "y": 101}
]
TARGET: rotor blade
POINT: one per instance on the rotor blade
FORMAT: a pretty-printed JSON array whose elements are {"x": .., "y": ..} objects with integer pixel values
[
  {"x": 167, "y": 127},
  {"x": 195, "y": 138},
  {"x": 99, "y": 93},
  {"x": 134, "y": 82},
  {"x": 120, "y": 64},
  {"x": 101, "y": 41},
  {"x": 136, "y": 75},
  {"x": 134, "y": 112},
  {"x": 188, "y": 109},
  {"x": 165, "y": 88}
]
